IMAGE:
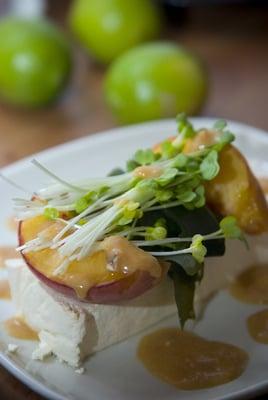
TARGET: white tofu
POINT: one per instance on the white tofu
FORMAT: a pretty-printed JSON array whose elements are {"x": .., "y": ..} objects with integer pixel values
[{"x": 72, "y": 333}]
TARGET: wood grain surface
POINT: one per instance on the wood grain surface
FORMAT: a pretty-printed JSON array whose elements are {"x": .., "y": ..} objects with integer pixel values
[{"x": 232, "y": 41}]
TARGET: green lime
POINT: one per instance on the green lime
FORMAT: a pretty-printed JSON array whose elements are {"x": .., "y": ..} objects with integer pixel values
[
  {"x": 154, "y": 81},
  {"x": 35, "y": 61},
  {"x": 107, "y": 28}
]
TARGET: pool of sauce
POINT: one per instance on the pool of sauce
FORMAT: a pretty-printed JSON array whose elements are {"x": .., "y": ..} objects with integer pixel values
[
  {"x": 4, "y": 290},
  {"x": 7, "y": 252},
  {"x": 258, "y": 326},
  {"x": 188, "y": 361},
  {"x": 252, "y": 285},
  {"x": 18, "y": 328}
]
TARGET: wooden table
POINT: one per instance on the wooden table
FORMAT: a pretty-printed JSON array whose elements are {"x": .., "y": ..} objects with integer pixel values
[{"x": 234, "y": 44}]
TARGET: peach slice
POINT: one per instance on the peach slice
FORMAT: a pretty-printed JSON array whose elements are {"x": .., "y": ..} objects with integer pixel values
[
  {"x": 87, "y": 280},
  {"x": 235, "y": 190}
]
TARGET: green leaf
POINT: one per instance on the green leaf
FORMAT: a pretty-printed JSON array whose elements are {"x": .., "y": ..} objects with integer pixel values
[
  {"x": 227, "y": 137},
  {"x": 192, "y": 165},
  {"x": 230, "y": 229},
  {"x": 81, "y": 205},
  {"x": 184, "y": 290},
  {"x": 186, "y": 197},
  {"x": 200, "y": 200},
  {"x": 144, "y": 157},
  {"x": 220, "y": 125},
  {"x": 167, "y": 176},
  {"x": 187, "y": 262},
  {"x": 92, "y": 196},
  {"x": 156, "y": 233},
  {"x": 209, "y": 166},
  {"x": 131, "y": 165},
  {"x": 185, "y": 128},
  {"x": 167, "y": 150},
  {"x": 161, "y": 222},
  {"x": 180, "y": 161},
  {"x": 181, "y": 222},
  {"x": 163, "y": 196},
  {"x": 116, "y": 171},
  {"x": 199, "y": 251},
  {"x": 51, "y": 213},
  {"x": 102, "y": 190}
]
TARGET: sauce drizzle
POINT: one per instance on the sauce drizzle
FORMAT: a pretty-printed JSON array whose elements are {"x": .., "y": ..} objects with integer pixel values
[
  {"x": 18, "y": 328},
  {"x": 4, "y": 290},
  {"x": 252, "y": 285},
  {"x": 188, "y": 361},
  {"x": 7, "y": 252},
  {"x": 147, "y": 171},
  {"x": 258, "y": 326}
]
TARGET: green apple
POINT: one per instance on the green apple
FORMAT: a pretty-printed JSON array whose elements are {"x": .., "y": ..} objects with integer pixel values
[
  {"x": 155, "y": 80},
  {"x": 35, "y": 61},
  {"x": 107, "y": 28}
]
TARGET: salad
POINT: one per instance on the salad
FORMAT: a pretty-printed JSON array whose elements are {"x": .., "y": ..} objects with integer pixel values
[{"x": 108, "y": 240}]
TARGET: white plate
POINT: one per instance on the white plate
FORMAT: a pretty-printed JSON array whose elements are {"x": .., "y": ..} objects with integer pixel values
[{"x": 115, "y": 373}]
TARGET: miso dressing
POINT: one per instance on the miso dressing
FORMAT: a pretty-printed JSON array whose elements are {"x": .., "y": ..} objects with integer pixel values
[
  {"x": 190, "y": 362},
  {"x": 258, "y": 326},
  {"x": 147, "y": 171},
  {"x": 4, "y": 290},
  {"x": 18, "y": 328},
  {"x": 7, "y": 252},
  {"x": 252, "y": 285}
]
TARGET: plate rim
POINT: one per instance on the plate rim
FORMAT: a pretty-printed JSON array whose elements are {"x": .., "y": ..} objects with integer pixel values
[
  {"x": 118, "y": 131},
  {"x": 19, "y": 372}
]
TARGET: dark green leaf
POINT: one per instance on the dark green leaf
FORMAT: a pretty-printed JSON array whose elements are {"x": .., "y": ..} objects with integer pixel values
[
  {"x": 187, "y": 223},
  {"x": 116, "y": 171},
  {"x": 185, "y": 261},
  {"x": 131, "y": 165},
  {"x": 184, "y": 289}
]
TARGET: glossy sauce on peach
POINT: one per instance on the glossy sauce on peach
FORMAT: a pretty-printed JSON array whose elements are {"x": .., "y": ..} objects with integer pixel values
[
  {"x": 115, "y": 259},
  {"x": 147, "y": 171},
  {"x": 188, "y": 361},
  {"x": 123, "y": 256},
  {"x": 252, "y": 285},
  {"x": 18, "y": 328}
]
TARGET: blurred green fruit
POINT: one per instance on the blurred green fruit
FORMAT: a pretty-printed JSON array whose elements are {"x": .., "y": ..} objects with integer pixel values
[
  {"x": 35, "y": 61},
  {"x": 154, "y": 81},
  {"x": 107, "y": 28}
]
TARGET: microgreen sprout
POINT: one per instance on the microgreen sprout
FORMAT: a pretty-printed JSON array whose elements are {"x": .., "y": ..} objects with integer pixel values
[{"x": 51, "y": 213}]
